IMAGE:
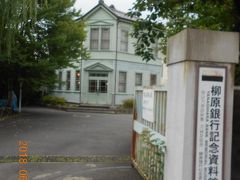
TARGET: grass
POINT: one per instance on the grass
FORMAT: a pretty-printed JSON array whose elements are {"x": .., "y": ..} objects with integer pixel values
[
  {"x": 3, "y": 118},
  {"x": 81, "y": 159}
]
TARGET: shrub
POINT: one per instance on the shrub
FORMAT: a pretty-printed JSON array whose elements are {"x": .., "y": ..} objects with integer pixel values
[
  {"x": 128, "y": 103},
  {"x": 54, "y": 101}
]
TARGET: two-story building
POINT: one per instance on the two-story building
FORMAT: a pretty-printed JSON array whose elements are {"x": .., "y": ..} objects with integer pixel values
[{"x": 113, "y": 70}]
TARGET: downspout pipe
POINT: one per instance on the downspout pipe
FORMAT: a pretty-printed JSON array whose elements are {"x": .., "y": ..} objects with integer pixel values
[
  {"x": 115, "y": 68},
  {"x": 81, "y": 80}
]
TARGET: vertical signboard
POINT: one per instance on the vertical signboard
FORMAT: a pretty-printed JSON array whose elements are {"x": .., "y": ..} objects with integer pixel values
[
  {"x": 210, "y": 123},
  {"x": 148, "y": 105}
]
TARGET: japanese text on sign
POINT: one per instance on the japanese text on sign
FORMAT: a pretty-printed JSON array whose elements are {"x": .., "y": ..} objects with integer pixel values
[
  {"x": 210, "y": 123},
  {"x": 148, "y": 105}
]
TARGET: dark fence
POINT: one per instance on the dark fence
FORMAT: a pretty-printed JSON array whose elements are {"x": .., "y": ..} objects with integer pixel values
[{"x": 236, "y": 137}]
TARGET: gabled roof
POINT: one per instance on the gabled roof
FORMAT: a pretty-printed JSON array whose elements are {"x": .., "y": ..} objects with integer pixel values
[
  {"x": 110, "y": 9},
  {"x": 100, "y": 23},
  {"x": 98, "y": 67}
]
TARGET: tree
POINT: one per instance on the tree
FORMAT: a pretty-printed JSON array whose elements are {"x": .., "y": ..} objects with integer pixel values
[
  {"x": 165, "y": 18},
  {"x": 49, "y": 40},
  {"x": 13, "y": 13}
]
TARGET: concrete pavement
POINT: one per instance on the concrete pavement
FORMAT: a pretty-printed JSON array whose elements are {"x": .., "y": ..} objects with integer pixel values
[
  {"x": 53, "y": 132},
  {"x": 71, "y": 171}
]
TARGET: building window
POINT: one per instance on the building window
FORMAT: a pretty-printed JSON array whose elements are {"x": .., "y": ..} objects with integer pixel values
[
  {"x": 99, "y": 86},
  {"x": 77, "y": 80},
  {"x": 103, "y": 86},
  {"x": 98, "y": 74},
  {"x": 122, "y": 82},
  {"x": 155, "y": 50},
  {"x": 92, "y": 86},
  {"x": 60, "y": 80},
  {"x": 153, "y": 80},
  {"x": 124, "y": 41},
  {"x": 94, "y": 36},
  {"x": 138, "y": 79},
  {"x": 105, "y": 39},
  {"x": 100, "y": 33},
  {"x": 68, "y": 80}
]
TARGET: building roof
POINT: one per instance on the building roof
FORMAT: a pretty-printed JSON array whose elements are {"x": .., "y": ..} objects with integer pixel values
[
  {"x": 118, "y": 14},
  {"x": 98, "y": 67},
  {"x": 121, "y": 14}
]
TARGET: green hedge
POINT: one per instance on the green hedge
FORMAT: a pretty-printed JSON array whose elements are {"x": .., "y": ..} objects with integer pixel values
[
  {"x": 53, "y": 100},
  {"x": 128, "y": 103}
]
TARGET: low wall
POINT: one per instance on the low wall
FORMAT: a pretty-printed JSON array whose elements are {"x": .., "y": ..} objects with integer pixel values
[{"x": 236, "y": 136}]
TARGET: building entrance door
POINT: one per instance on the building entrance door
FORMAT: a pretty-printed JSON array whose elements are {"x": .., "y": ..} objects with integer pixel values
[{"x": 98, "y": 88}]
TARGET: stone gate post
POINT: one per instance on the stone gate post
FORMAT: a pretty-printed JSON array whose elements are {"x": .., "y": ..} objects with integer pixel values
[{"x": 200, "y": 104}]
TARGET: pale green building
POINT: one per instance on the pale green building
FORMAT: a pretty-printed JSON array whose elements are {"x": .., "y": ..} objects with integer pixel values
[{"x": 113, "y": 70}]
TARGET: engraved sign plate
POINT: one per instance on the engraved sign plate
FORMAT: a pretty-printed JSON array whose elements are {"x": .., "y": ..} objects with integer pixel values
[
  {"x": 210, "y": 123},
  {"x": 148, "y": 105}
]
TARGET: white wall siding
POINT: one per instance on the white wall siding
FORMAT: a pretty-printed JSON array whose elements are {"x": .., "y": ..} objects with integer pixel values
[
  {"x": 133, "y": 68},
  {"x": 113, "y": 59},
  {"x": 73, "y": 97},
  {"x": 121, "y": 97}
]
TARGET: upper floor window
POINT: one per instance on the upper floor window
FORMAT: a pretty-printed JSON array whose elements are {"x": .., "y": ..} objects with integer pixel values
[
  {"x": 155, "y": 50},
  {"x": 153, "y": 79},
  {"x": 94, "y": 35},
  {"x": 105, "y": 39},
  {"x": 124, "y": 41},
  {"x": 138, "y": 79},
  {"x": 68, "y": 80},
  {"x": 100, "y": 38}
]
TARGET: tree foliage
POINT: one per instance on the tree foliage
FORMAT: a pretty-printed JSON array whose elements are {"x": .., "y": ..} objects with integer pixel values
[
  {"x": 13, "y": 14},
  {"x": 43, "y": 36},
  {"x": 160, "y": 19}
]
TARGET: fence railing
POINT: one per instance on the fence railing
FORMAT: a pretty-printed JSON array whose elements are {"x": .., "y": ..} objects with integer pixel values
[{"x": 148, "y": 141}]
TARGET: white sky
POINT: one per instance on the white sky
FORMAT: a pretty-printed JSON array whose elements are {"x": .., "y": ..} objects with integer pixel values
[{"x": 86, "y": 5}]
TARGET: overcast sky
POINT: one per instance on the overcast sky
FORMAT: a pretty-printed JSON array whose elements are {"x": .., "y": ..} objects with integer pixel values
[{"x": 86, "y": 5}]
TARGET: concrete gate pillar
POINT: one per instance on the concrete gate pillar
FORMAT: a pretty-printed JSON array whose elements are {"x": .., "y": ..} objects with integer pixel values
[{"x": 187, "y": 51}]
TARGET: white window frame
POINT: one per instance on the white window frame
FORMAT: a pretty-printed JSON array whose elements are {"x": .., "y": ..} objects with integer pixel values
[
  {"x": 156, "y": 49},
  {"x": 100, "y": 40},
  {"x": 141, "y": 75},
  {"x": 68, "y": 80},
  {"x": 77, "y": 80},
  {"x": 124, "y": 41},
  {"x": 96, "y": 39},
  {"x": 60, "y": 75},
  {"x": 151, "y": 84},
  {"x": 122, "y": 83},
  {"x": 107, "y": 40}
]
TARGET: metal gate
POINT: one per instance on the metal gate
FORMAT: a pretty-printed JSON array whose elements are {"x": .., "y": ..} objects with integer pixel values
[{"x": 148, "y": 139}]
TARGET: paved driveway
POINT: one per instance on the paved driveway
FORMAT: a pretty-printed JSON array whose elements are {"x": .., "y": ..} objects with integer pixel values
[{"x": 53, "y": 132}]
